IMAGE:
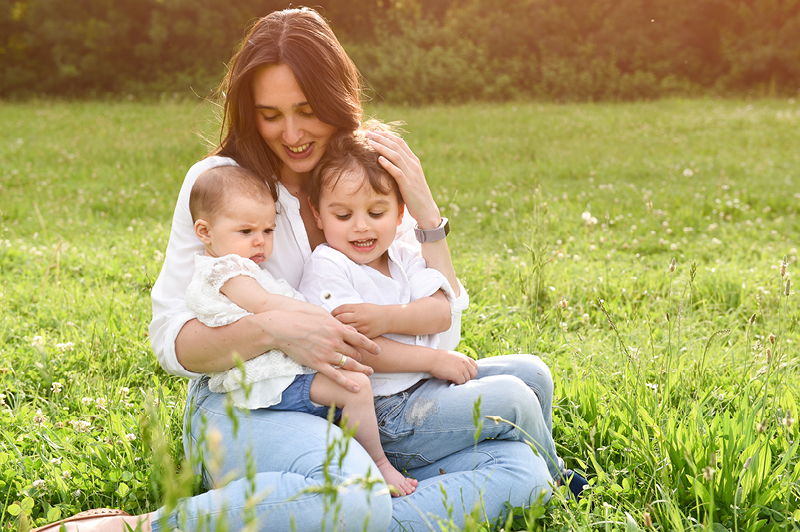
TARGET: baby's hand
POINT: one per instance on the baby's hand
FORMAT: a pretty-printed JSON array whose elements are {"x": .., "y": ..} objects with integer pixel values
[
  {"x": 366, "y": 318},
  {"x": 453, "y": 366}
]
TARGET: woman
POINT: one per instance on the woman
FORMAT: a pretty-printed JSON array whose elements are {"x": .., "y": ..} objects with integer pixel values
[{"x": 290, "y": 88}]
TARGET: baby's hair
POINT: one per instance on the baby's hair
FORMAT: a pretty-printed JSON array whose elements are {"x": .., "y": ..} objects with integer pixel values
[
  {"x": 351, "y": 152},
  {"x": 216, "y": 186}
]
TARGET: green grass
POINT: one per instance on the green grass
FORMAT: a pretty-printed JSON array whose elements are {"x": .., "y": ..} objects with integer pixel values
[{"x": 665, "y": 395}]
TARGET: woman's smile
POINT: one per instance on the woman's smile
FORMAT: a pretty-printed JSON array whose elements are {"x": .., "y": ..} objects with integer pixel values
[{"x": 300, "y": 152}]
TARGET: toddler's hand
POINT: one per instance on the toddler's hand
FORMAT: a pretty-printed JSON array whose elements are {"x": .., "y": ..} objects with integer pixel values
[
  {"x": 366, "y": 318},
  {"x": 453, "y": 366}
]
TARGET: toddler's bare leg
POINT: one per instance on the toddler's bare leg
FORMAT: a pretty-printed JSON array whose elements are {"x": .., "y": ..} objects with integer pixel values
[{"x": 358, "y": 410}]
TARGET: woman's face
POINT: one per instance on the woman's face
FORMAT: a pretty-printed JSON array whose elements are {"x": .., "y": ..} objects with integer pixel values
[{"x": 286, "y": 121}]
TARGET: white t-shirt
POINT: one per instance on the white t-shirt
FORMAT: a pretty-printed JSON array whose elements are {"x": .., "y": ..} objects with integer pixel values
[
  {"x": 266, "y": 376},
  {"x": 330, "y": 280},
  {"x": 290, "y": 251}
]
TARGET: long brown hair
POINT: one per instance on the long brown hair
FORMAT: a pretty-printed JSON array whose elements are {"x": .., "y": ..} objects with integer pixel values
[{"x": 301, "y": 39}]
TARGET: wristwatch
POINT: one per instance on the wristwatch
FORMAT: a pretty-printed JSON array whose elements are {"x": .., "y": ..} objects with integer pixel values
[{"x": 432, "y": 235}]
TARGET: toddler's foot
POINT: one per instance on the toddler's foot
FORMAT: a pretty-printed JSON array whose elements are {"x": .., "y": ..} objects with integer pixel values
[{"x": 395, "y": 479}]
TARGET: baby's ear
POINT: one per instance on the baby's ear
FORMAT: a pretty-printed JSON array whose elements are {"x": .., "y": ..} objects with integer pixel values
[
  {"x": 203, "y": 231},
  {"x": 314, "y": 211},
  {"x": 400, "y": 211}
]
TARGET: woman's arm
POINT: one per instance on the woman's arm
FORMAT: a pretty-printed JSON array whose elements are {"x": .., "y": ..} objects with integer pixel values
[
  {"x": 398, "y": 159},
  {"x": 313, "y": 340}
]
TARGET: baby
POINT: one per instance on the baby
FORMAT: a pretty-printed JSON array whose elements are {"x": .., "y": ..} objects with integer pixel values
[{"x": 234, "y": 216}]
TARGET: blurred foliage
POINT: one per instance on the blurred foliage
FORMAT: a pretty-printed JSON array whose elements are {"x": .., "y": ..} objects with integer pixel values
[{"x": 417, "y": 51}]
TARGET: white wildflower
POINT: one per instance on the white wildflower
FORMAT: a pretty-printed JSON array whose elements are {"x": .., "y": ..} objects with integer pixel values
[{"x": 68, "y": 346}]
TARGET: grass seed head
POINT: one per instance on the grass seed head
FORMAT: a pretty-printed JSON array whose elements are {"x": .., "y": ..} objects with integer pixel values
[
  {"x": 761, "y": 427},
  {"x": 771, "y": 338},
  {"x": 648, "y": 521},
  {"x": 788, "y": 420},
  {"x": 708, "y": 473},
  {"x": 753, "y": 318},
  {"x": 563, "y": 302},
  {"x": 788, "y": 289},
  {"x": 672, "y": 265},
  {"x": 784, "y": 265},
  {"x": 769, "y": 355}
]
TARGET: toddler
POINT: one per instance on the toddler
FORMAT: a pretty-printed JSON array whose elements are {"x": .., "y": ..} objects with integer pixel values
[
  {"x": 363, "y": 276},
  {"x": 234, "y": 216}
]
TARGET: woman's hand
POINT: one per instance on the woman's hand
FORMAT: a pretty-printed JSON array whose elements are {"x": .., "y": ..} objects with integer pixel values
[
  {"x": 311, "y": 336},
  {"x": 453, "y": 366},
  {"x": 398, "y": 159},
  {"x": 321, "y": 343}
]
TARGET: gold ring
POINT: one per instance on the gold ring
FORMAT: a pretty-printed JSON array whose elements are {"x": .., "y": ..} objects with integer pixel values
[{"x": 342, "y": 363}]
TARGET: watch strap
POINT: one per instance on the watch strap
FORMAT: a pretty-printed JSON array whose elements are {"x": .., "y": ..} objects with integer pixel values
[{"x": 432, "y": 235}]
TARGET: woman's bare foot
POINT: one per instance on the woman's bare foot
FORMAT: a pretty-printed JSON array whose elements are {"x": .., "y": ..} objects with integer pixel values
[
  {"x": 402, "y": 485},
  {"x": 115, "y": 523}
]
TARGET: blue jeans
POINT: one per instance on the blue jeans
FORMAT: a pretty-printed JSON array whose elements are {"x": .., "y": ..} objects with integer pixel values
[
  {"x": 287, "y": 451},
  {"x": 414, "y": 425}
]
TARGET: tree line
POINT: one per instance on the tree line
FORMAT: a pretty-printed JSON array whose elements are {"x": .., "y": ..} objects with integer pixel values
[{"x": 418, "y": 51}]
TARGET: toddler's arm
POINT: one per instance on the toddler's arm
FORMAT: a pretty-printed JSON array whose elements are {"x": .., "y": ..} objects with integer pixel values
[
  {"x": 396, "y": 357},
  {"x": 426, "y": 315}
]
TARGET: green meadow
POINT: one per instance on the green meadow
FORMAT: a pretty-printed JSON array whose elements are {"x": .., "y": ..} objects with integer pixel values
[{"x": 646, "y": 251}]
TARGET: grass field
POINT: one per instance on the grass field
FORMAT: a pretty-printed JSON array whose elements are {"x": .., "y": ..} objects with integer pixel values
[{"x": 676, "y": 390}]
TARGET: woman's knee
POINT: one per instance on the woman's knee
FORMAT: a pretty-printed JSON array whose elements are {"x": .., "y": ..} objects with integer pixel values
[
  {"x": 535, "y": 373},
  {"x": 506, "y": 395}
]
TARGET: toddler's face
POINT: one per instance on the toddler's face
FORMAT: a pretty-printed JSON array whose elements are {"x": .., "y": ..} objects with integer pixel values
[
  {"x": 245, "y": 228},
  {"x": 358, "y": 221}
]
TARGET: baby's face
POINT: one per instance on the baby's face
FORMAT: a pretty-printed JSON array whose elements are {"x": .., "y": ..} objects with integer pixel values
[
  {"x": 358, "y": 221},
  {"x": 245, "y": 228}
]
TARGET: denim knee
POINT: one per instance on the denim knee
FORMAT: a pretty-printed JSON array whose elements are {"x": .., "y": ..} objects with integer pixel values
[{"x": 535, "y": 373}]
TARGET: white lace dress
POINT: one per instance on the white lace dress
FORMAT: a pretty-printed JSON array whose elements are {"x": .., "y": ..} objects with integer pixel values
[{"x": 266, "y": 376}]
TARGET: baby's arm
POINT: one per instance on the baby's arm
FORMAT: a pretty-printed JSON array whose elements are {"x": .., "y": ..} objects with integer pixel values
[
  {"x": 247, "y": 293},
  {"x": 426, "y": 315}
]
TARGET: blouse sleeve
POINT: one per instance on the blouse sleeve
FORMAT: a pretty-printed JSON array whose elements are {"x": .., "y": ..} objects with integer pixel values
[{"x": 168, "y": 295}]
